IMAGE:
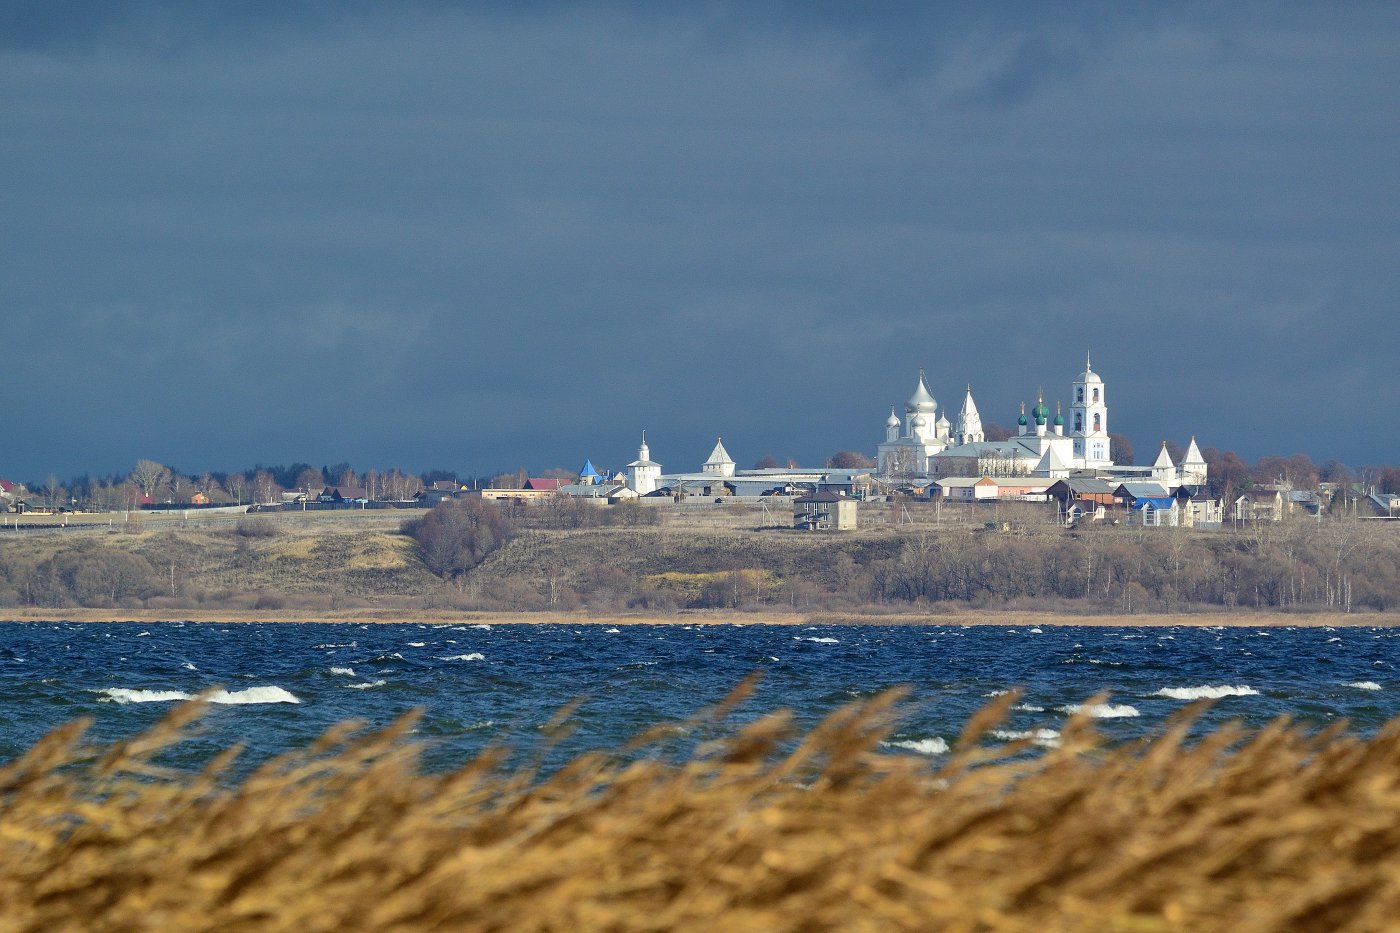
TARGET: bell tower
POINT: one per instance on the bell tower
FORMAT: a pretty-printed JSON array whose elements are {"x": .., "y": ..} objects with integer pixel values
[{"x": 1089, "y": 418}]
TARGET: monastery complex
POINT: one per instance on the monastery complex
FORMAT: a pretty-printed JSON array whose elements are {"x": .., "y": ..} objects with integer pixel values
[{"x": 1064, "y": 457}]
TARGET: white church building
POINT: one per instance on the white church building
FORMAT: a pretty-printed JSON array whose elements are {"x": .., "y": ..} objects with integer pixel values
[{"x": 926, "y": 444}]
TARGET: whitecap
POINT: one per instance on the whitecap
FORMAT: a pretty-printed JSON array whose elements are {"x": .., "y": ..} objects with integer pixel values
[
  {"x": 1028, "y": 708},
  {"x": 343, "y": 671},
  {"x": 365, "y": 686},
  {"x": 821, "y": 641},
  {"x": 1205, "y": 693},
  {"x": 128, "y": 695},
  {"x": 1101, "y": 710},
  {"x": 1331, "y": 640},
  {"x": 771, "y": 658},
  {"x": 474, "y": 656},
  {"x": 251, "y": 695},
  {"x": 418, "y": 644},
  {"x": 189, "y": 667},
  {"x": 272, "y": 694},
  {"x": 933, "y": 746},
  {"x": 348, "y": 644},
  {"x": 483, "y": 626},
  {"x": 142, "y": 634},
  {"x": 1363, "y": 685},
  {"x": 1045, "y": 738},
  {"x": 612, "y": 631},
  {"x": 1035, "y": 631}
]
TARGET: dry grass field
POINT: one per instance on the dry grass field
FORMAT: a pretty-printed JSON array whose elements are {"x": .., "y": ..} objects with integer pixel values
[
  {"x": 1275, "y": 830},
  {"x": 359, "y": 565}
]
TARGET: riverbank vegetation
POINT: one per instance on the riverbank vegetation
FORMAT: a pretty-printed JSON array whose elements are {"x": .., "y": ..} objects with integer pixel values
[{"x": 756, "y": 829}]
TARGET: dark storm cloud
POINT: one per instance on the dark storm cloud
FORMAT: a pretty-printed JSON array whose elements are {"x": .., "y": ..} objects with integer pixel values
[{"x": 482, "y": 235}]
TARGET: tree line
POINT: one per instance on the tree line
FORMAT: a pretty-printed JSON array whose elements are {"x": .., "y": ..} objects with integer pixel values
[{"x": 151, "y": 481}]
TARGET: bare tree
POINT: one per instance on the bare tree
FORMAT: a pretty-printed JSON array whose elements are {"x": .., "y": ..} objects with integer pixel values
[
  {"x": 310, "y": 479},
  {"x": 149, "y": 476},
  {"x": 265, "y": 488},
  {"x": 209, "y": 485},
  {"x": 237, "y": 486},
  {"x": 849, "y": 460},
  {"x": 177, "y": 482},
  {"x": 374, "y": 484}
]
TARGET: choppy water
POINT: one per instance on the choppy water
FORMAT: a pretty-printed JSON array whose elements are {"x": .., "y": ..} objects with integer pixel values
[{"x": 284, "y": 684}]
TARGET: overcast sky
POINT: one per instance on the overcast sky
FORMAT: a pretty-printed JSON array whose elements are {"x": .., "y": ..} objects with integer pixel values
[{"x": 472, "y": 237}]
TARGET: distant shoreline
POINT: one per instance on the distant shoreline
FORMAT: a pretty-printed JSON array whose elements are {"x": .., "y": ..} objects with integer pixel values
[{"x": 1008, "y": 619}]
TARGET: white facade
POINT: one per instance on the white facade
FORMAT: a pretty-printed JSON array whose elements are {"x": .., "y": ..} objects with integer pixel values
[
  {"x": 643, "y": 474},
  {"x": 970, "y": 422},
  {"x": 1089, "y": 419},
  {"x": 923, "y": 433},
  {"x": 720, "y": 463},
  {"x": 1193, "y": 466},
  {"x": 1045, "y": 445}
]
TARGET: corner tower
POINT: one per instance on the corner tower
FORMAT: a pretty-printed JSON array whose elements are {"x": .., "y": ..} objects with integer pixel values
[{"x": 644, "y": 474}]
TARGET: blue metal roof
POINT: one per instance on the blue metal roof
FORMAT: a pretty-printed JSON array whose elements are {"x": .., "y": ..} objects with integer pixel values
[{"x": 1157, "y": 502}]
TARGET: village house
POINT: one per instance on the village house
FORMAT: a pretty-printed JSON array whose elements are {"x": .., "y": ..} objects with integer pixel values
[{"x": 824, "y": 511}]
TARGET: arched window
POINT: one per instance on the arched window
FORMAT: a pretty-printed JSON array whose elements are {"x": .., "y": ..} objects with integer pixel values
[
  {"x": 1079, "y": 422},
  {"x": 1079, "y": 394},
  {"x": 1098, "y": 422},
  {"x": 1096, "y": 395}
]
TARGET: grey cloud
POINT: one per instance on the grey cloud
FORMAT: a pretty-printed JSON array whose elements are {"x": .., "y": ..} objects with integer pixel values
[{"x": 479, "y": 237}]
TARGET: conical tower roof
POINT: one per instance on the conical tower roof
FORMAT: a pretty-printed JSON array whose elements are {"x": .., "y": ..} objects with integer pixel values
[
  {"x": 719, "y": 455},
  {"x": 1193, "y": 453},
  {"x": 1164, "y": 459},
  {"x": 969, "y": 407},
  {"x": 588, "y": 471}
]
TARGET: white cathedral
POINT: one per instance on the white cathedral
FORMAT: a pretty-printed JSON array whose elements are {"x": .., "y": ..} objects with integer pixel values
[{"x": 926, "y": 443}]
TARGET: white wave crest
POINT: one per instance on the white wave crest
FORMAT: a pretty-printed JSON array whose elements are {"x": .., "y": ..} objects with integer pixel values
[
  {"x": 1363, "y": 685},
  {"x": 820, "y": 641},
  {"x": 933, "y": 746},
  {"x": 224, "y": 697},
  {"x": 474, "y": 656},
  {"x": 365, "y": 686},
  {"x": 128, "y": 695},
  {"x": 483, "y": 626},
  {"x": 612, "y": 631},
  {"x": 254, "y": 695},
  {"x": 343, "y": 671},
  {"x": 189, "y": 667},
  {"x": 1028, "y": 708},
  {"x": 1045, "y": 738},
  {"x": 1205, "y": 693},
  {"x": 348, "y": 644},
  {"x": 1102, "y": 710},
  {"x": 418, "y": 644}
]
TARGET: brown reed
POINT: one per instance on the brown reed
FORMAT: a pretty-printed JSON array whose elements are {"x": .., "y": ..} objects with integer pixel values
[{"x": 1282, "y": 828}]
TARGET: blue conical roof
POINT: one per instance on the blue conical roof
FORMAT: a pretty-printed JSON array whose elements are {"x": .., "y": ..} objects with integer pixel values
[{"x": 588, "y": 469}]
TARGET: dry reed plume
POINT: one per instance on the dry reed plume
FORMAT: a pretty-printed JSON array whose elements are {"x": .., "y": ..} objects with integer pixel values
[{"x": 1275, "y": 829}]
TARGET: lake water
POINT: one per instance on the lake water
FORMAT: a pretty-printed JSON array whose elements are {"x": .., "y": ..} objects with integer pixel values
[{"x": 478, "y": 684}]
